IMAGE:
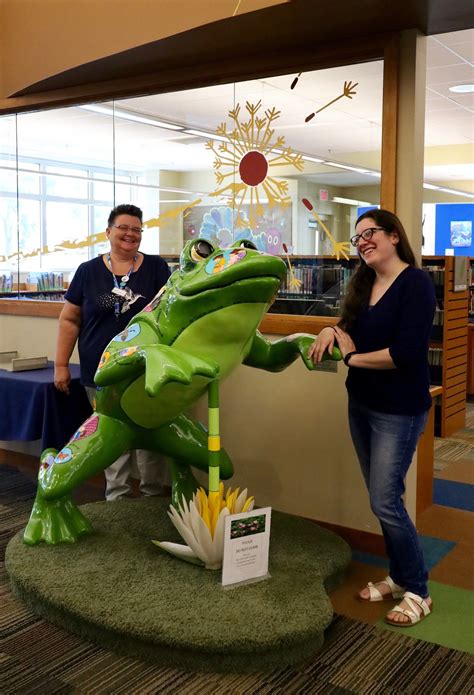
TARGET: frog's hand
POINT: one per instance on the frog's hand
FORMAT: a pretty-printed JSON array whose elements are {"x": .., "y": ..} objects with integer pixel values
[
  {"x": 280, "y": 354},
  {"x": 165, "y": 364},
  {"x": 125, "y": 355},
  {"x": 114, "y": 366},
  {"x": 302, "y": 343},
  {"x": 160, "y": 363}
]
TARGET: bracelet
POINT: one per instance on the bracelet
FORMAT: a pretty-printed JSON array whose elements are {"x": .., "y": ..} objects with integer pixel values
[{"x": 348, "y": 357}]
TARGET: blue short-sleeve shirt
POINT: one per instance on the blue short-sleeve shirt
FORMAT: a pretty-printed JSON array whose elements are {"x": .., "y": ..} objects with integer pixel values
[{"x": 91, "y": 289}]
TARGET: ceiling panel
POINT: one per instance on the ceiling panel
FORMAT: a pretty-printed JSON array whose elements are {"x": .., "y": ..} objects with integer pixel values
[{"x": 347, "y": 126}]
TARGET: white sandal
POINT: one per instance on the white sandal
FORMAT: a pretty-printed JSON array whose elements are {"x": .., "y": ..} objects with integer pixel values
[
  {"x": 396, "y": 591},
  {"x": 411, "y": 613}
]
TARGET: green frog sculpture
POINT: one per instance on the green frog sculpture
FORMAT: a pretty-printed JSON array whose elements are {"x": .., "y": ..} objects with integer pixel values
[{"x": 198, "y": 328}]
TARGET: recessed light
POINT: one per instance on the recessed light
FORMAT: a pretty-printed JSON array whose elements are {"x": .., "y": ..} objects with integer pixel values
[
  {"x": 204, "y": 134},
  {"x": 129, "y": 116},
  {"x": 312, "y": 159},
  {"x": 462, "y": 88}
]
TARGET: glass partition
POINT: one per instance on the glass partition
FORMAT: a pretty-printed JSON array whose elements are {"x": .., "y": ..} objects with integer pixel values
[
  {"x": 285, "y": 161},
  {"x": 9, "y": 232}
]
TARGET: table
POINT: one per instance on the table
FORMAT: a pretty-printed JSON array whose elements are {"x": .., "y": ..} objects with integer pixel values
[{"x": 32, "y": 408}]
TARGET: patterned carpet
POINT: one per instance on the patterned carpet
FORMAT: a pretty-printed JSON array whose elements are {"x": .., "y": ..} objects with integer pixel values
[
  {"x": 467, "y": 432},
  {"x": 357, "y": 658},
  {"x": 454, "y": 467}
]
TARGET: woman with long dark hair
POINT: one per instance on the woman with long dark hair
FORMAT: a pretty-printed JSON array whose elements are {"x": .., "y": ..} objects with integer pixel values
[{"x": 383, "y": 336}]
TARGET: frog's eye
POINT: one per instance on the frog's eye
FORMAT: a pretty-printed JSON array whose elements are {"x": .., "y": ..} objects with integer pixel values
[
  {"x": 201, "y": 249},
  {"x": 246, "y": 244}
]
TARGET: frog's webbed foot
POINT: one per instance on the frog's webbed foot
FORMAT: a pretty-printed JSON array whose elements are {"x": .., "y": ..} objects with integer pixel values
[
  {"x": 183, "y": 482},
  {"x": 55, "y": 521}
]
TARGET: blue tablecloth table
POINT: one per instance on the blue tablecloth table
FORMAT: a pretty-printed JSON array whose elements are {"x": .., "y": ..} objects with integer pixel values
[{"x": 32, "y": 408}]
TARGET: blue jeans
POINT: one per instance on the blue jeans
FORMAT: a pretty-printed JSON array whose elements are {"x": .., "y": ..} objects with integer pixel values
[{"x": 385, "y": 445}]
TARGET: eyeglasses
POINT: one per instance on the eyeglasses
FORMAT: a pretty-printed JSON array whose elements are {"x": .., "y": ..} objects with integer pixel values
[
  {"x": 126, "y": 228},
  {"x": 366, "y": 235}
]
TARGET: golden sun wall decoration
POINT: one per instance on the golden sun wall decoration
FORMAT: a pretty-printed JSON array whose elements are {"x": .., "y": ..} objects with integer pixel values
[{"x": 246, "y": 156}]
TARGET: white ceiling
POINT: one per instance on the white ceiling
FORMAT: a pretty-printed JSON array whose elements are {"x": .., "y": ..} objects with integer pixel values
[{"x": 347, "y": 126}]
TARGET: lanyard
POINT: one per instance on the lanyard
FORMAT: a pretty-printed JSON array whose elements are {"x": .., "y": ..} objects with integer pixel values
[{"x": 119, "y": 287}]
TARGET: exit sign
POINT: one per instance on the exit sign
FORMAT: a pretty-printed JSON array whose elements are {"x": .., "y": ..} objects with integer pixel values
[{"x": 323, "y": 194}]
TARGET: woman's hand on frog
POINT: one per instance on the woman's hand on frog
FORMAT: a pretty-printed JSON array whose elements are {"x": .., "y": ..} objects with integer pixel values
[
  {"x": 323, "y": 342},
  {"x": 344, "y": 341}
]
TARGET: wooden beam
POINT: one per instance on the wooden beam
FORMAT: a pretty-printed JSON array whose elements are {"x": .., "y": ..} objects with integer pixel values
[
  {"x": 391, "y": 69},
  {"x": 23, "y": 307}
]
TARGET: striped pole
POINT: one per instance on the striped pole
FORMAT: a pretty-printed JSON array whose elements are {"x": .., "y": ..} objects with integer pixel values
[{"x": 214, "y": 440}]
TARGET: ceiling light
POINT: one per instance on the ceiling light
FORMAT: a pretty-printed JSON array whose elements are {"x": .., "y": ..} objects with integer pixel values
[
  {"x": 203, "y": 134},
  {"x": 463, "y": 194},
  {"x": 349, "y": 168},
  {"x": 453, "y": 192},
  {"x": 462, "y": 88},
  {"x": 130, "y": 116},
  {"x": 312, "y": 159},
  {"x": 350, "y": 201}
]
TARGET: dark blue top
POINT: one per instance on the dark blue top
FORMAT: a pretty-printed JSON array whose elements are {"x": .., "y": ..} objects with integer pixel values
[
  {"x": 91, "y": 289},
  {"x": 400, "y": 321}
]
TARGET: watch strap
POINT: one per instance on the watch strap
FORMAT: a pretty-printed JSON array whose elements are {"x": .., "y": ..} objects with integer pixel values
[{"x": 348, "y": 357}]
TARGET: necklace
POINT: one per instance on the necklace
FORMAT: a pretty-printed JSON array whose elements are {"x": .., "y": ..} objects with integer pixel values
[{"x": 121, "y": 290}]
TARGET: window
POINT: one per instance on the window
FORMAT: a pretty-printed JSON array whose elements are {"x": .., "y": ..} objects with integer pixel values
[{"x": 225, "y": 162}]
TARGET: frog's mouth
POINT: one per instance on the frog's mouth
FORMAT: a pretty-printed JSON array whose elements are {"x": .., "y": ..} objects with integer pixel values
[
  {"x": 256, "y": 281},
  {"x": 259, "y": 270}
]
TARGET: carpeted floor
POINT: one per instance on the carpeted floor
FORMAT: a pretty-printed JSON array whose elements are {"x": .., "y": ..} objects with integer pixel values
[
  {"x": 357, "y": 657},
  {"x": 454, "y": 467}
]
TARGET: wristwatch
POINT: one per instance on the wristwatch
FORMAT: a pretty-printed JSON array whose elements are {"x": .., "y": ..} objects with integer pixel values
[{"x": 348, "y": 357}]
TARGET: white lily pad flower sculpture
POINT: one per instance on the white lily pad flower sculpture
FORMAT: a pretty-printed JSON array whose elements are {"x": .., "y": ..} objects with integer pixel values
[
  {"x": 201, "y": 521},
  {"x": 201, "y": 525}
]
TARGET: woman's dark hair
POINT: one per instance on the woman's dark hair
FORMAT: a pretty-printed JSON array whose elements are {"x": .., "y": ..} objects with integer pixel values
[
  {"x": 360, "y": 285},
  {"x": 125, "y": 209}
]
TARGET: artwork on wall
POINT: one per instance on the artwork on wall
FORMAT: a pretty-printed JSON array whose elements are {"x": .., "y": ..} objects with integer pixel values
[
  {"x": 218, "y": 224},
  {"x": 461, "y": 233},
  {"x": 453, "y": 229}
]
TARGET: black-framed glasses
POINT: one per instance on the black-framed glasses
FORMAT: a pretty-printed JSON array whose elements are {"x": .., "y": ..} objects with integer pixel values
[
  {"x": 366, "y": 235},
  {"x": 125, "y": 228}
]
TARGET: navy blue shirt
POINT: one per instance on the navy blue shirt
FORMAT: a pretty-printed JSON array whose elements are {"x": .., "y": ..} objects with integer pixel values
[
  {"x": 91, "y": 289},
  {"x": 400, "y": 321}
]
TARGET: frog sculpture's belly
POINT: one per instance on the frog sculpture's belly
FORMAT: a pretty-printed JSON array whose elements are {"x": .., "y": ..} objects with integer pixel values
[
  {"x": 224, "y": 345},
  {"x": 155, "y": 411}
]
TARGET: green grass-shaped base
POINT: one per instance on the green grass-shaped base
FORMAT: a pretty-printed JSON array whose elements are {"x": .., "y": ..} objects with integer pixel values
[{"x": 117, "y": 589}]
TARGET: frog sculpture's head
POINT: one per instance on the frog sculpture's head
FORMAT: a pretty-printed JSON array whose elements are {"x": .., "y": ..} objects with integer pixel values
[{"x": 211, "y": 280}]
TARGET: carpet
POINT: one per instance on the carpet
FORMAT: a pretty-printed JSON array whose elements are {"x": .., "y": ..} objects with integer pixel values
[
  {"x": 356, "y": 659},
  {"x": 117, "y": 589},
  {"x": 452, "y": 450},
  {"x": 434, "y": 550},
  {"x": 452, "y": 621},
  {"x": 452, "y": 494}
]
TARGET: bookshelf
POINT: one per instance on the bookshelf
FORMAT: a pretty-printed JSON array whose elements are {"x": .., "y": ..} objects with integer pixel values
[
  {"x": 448, "y": 346},
  {"x": 323, "y": 286}
]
